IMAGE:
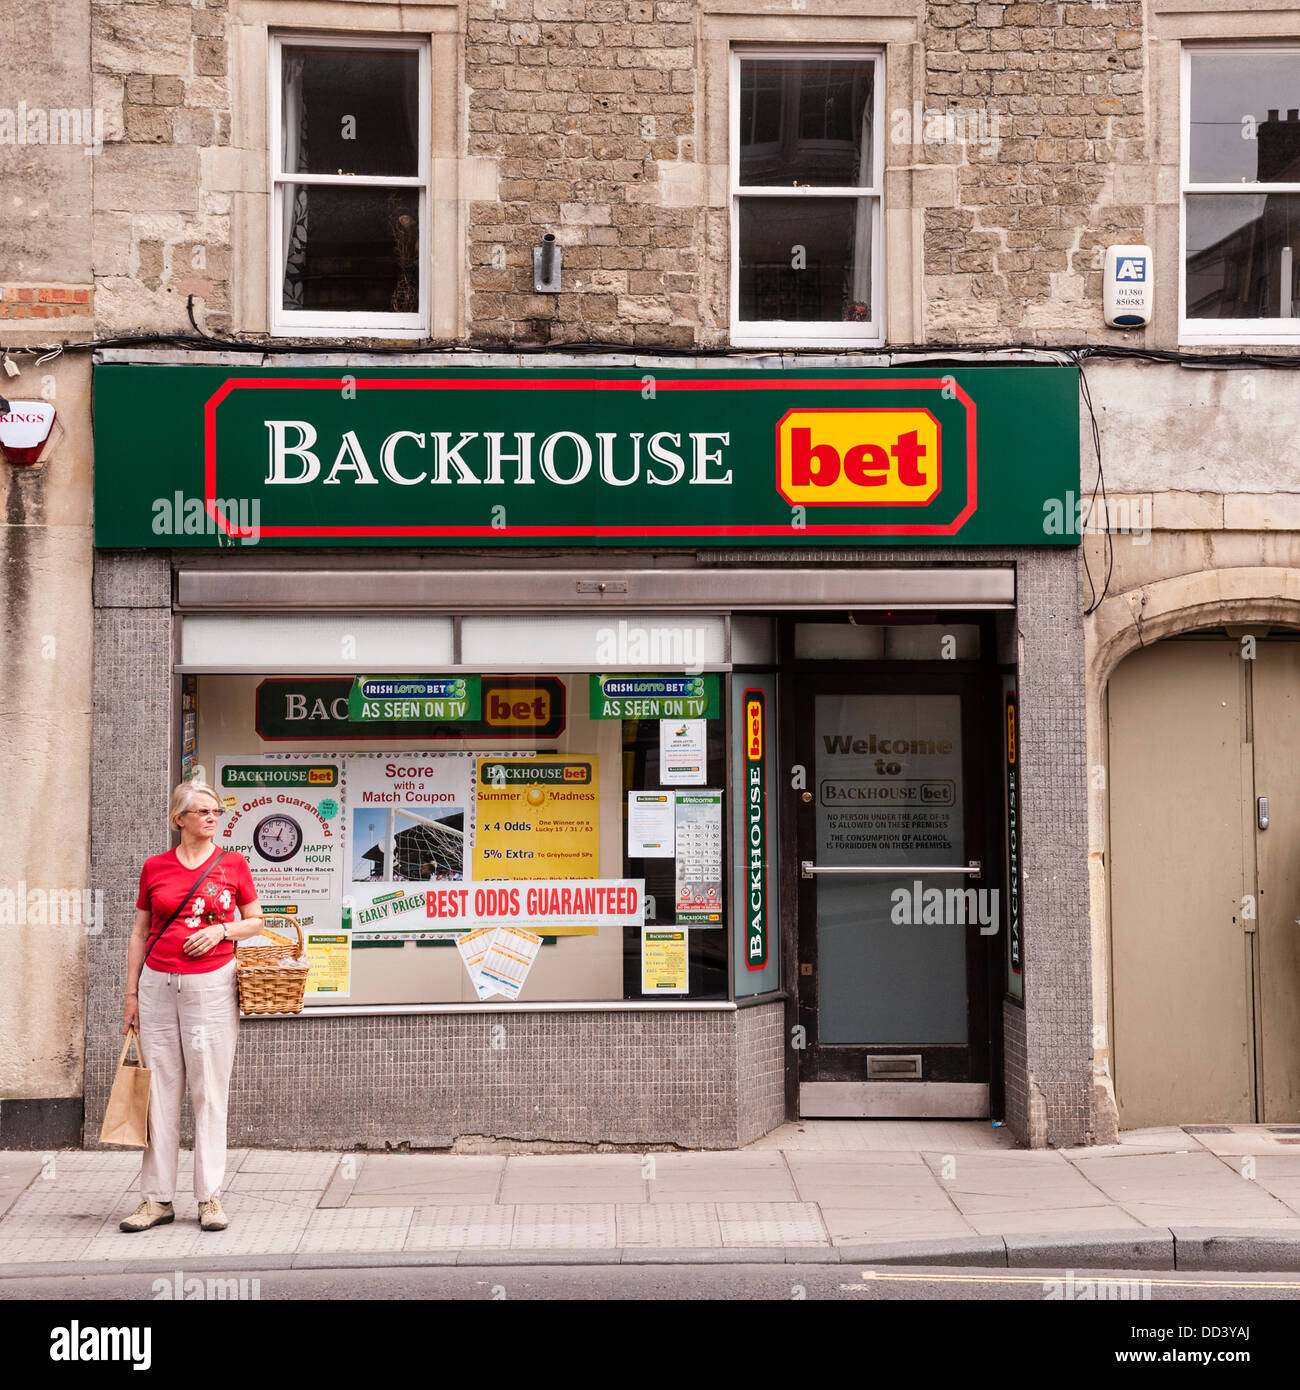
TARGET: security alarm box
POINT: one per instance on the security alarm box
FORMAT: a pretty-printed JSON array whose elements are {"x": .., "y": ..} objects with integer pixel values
[{"x": 1127, "y": 287}]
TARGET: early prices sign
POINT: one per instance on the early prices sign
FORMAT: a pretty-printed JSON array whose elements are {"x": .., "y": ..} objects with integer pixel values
[{"x": 681, "y": 457}]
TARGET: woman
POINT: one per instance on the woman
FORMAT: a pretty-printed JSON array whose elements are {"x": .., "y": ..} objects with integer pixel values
[{"x": 181, "y": 995}]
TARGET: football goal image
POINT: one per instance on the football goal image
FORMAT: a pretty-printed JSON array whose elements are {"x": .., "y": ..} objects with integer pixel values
[{"x": 410, "y": 845}]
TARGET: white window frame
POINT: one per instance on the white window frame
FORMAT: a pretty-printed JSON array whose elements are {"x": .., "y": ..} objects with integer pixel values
[
  {"x": 1208, "y": 332},
  {"x": 304, "y": 322},
  {"x": 798, "y": 333}
]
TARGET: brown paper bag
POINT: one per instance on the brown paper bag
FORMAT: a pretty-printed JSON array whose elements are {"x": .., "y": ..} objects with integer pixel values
[{"x": 126, "y": 1119}]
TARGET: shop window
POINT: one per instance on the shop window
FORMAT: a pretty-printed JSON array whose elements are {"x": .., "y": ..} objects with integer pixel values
[
  {"x": 1241, "y": 195},
  {"x": 350, "y": 186},
  {"x": 455, "y": 839},
  {"x": 806, "y": 217}
]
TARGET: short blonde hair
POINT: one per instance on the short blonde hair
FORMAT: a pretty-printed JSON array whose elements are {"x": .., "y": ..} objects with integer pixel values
[{"x": 183, "y": 798}]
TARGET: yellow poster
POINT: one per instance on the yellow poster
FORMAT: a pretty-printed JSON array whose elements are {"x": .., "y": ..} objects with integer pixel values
[
  {"x": 538, "y": 818},
  {"x": 330, "y": 954},
  {"x": 665, "y": 963}
]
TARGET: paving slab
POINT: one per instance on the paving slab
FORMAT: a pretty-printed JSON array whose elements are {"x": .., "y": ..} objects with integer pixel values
[
  {"x": 17, "y": 1171},
  {"x": 368, "y": 1228},
  {"x": 855, "y": 1226},
  {"x": 668, "y": 1224},
  {"x": 885, "y": 1135},
  {"x": 426, "y": 1181},
  {"x": 771, "y": 1223},
  {"x": 1053, "y": 1219},
  {"x": 1178, "y": 1189},
  {"x": 466, "y": 1227},
  {"x": 564, "y": 1225},
  {"x": 533, "y": 1180}
]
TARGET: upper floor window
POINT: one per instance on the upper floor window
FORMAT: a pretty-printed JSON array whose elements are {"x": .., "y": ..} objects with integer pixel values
[
  {"x": 350, "y": 186},
  {"x": 807, "y": 161},
  {"x": 1241, "y": 195}
]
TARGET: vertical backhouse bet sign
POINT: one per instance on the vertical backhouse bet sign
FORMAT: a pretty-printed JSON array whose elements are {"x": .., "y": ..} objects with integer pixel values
[
  {"x": 756, "y": 886},
  {"x": 212, "y": 456}
]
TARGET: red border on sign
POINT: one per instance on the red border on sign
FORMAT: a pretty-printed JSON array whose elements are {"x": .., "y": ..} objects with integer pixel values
[{"x": 577, "y": 384}]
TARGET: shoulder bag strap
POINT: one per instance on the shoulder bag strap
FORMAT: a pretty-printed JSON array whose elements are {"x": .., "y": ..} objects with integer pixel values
[{"x": 189, "y": 893}]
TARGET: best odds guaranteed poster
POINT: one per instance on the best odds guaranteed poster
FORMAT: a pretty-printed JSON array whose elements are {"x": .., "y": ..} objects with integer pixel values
[{"x": 285, "y": 816}]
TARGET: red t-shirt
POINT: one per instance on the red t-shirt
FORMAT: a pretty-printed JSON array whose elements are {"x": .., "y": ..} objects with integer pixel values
[{"x": 163, "y": 881}]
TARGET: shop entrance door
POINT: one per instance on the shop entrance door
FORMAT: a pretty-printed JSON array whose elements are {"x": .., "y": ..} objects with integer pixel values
[
  {"x": 1204, "y": 857},
  {"x": 898, "y": 900}
]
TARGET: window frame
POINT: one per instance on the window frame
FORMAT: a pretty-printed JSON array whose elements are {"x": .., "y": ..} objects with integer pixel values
[
  {"x": 792, "y": 332},
  {"x": 1208, "y": 332},
  {"x": 297, "y": 323}
]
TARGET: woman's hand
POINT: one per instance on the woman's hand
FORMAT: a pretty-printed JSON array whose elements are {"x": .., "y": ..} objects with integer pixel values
[
  {"x": 199, "y": 943},
  {"x": 131, "y": 1015}
]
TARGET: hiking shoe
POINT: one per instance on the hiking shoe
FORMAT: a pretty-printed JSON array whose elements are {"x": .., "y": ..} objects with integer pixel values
[
  {"x": 211, "y": 1217},
  {"x": 148, "y": 1213}
]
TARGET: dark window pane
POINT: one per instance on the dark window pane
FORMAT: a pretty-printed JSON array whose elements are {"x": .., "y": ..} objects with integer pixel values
[
  {"x": 351, "y": 112},
  {"x": 806, "y": 121},
  {"x": 352, "y": 250},
  {"x": 1242, "y": 255},
  {"x": 806, "y": 259},
  {"x": 1245, "y": 118}
]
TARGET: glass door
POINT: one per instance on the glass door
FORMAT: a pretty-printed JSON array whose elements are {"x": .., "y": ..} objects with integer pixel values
[{"x": 897, "y": 874}]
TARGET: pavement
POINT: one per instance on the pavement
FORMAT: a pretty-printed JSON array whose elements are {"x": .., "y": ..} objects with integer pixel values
[{"x": 927, "y": 1192}]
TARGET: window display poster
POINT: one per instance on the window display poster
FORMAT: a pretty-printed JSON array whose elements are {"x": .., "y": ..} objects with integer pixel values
[
  {"x": 538, "y": 818},
  {"x": 665, "y": 962},
  {"x": 330, "y": 954},
  {"x": 407, "y": 815},
  {"x": 284, "y": 815},
  {"x": 651, "y": 825},
  {"x": 699, "y": 858},
  {"x": 683, "y": 752}
]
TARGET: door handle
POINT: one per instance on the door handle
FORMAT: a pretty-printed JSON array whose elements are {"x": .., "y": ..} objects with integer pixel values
[
  {"x": 1261, "y": 809},
  {"x": 811, "y": 870}
]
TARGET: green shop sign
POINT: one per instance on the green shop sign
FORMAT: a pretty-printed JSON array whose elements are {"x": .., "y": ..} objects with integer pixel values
[
  {"x": 216, "y": 456},
  {"x": 414, "y": 699},
  {"x": 654, "y": 697},
  {"x": 300, "y": 775}
]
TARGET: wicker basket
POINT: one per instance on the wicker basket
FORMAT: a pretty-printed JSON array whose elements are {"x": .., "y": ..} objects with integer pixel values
[{"x": 266, "y": 986}]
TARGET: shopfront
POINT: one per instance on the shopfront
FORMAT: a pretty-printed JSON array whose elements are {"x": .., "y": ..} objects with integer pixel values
[{"x": 637, "y": 751}]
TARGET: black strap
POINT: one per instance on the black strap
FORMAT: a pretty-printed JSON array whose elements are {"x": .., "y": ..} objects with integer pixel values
[{"x": 190, "y": 892}]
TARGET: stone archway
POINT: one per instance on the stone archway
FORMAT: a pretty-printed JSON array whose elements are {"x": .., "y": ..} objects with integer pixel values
[{"x": 1123, "y": 624}]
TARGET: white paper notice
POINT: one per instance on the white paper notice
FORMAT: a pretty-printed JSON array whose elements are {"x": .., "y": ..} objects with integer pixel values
[
  {"x": 509, "y": 958},
  {"x": 651, "y": 825},
  {"x": 682, "y": 752},
  {"x": 473, "y": 948}
]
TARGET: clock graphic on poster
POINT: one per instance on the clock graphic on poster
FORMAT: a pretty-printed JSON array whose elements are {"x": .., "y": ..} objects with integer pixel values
[{"x": 277, "y": 837}]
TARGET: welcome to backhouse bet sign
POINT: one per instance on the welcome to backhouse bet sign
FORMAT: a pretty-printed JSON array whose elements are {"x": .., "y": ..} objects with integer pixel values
[{"x": 214, "y": 456}]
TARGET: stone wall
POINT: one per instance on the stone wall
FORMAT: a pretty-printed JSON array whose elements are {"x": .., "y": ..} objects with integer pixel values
[
  {"x": 161, "y": 208},
  {"x": 1061, "y": 86}
]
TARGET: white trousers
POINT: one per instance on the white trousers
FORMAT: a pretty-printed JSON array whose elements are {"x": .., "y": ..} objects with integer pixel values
[{"x": 188, "y": 1028}]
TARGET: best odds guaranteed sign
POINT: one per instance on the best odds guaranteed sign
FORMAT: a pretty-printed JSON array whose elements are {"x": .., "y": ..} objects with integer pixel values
[{"x": 215, "y": 456}]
